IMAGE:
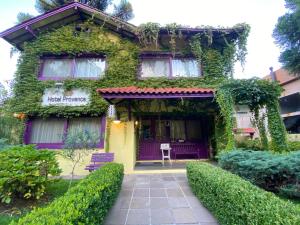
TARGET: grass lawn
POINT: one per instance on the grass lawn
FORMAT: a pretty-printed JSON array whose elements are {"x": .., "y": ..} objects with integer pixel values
[{"x": 20, "y": 207}]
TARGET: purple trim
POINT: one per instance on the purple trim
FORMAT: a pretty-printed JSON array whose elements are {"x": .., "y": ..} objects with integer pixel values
[
  {"x": 141, "y": 96},
  {"x": 28, "y": 128}
]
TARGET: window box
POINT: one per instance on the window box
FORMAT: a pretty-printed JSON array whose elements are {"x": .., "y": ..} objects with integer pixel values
[
  {"x": 50, "y": 132},
  {"x": 60, "y": 68}
]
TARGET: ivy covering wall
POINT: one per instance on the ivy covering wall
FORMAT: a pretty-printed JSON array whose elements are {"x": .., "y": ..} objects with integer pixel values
[
  {"x": 262, "y": 98},
  {"x": 122, "y": 58}
]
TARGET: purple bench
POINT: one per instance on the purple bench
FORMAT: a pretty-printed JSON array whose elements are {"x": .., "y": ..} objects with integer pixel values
[
  {"x": 185, "y": 149},
  {"x": 98, "y": 160}
]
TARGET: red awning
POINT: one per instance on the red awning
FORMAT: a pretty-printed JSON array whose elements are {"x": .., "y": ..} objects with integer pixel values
[{"x": 154, "y": 91}]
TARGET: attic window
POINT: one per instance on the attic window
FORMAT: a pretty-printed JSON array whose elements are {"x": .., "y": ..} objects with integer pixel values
[{"x": 62, "y": 68}]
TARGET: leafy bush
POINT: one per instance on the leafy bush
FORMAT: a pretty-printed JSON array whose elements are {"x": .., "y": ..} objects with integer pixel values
[
  {"x": 24, "y": 172},
  {"x": 254, "y": 144},
  {"x": 294, "y": 145},
  {"x": 86, "y": 203},
  {"x": 267, "y": 170},
  {"x": 235, "y": 201}
]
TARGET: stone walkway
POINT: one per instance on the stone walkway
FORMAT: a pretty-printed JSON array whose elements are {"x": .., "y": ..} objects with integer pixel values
[{"x": 158, "y": 199}]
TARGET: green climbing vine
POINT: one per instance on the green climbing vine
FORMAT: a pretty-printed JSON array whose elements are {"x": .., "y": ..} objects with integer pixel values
[{"x": 258, "y": 95}]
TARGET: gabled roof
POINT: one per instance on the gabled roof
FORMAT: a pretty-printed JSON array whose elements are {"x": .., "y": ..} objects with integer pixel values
[
  {"x": 140, "y": 93},
  {"x": 64, "y": 15},
  {"x": 76, "y": 11},
  {"x": 283, "y": 77}
]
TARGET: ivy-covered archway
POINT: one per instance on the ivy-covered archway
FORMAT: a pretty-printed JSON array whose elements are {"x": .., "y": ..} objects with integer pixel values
[{"x": 261, "y": 96}]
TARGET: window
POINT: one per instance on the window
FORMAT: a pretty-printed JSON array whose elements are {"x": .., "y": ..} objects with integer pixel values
[
  {"x": 155, "y": 68},
  {"x": 50, "y": 133},
  {"x": 170, "y": 67},
  {"x": 47, "y": 131},
  {"x": 72, "y": 68},
  {"x": 185, "y": 68}
]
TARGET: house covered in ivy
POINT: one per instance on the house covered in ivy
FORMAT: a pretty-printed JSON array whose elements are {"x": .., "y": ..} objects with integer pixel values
[{"x": 135, "y": 87}]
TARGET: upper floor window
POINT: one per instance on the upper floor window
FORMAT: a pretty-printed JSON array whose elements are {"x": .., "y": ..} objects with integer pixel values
[
  {"x": 61, "y": 68},
  {"x": 170, "y": 67}
]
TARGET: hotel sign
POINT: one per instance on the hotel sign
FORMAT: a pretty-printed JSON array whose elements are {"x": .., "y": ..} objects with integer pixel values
[{"x": 60, "y": 97}]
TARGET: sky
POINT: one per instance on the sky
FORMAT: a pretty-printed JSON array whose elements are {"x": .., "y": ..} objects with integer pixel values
[{"x": 261, "y": 15}]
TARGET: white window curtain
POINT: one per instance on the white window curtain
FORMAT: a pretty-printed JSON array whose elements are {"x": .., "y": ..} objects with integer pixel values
[
  {"x": 161, "y": 131},
  {"x": 155, "y": 68},
  {"x": 47, "y": 131},
  {"x": 57, "y": 68},
  {"x": 177, "y": 129},
  {"x": 88, "y": 68},
  {"x": 185, "y": 68},
  {"x": 91, "y": 125},
  {"x": 193, "y": 129}
]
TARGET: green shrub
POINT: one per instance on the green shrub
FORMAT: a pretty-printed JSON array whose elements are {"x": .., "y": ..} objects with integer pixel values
[
  {"x": 294, "y": 145},
  {"x": 265, "y": 169},
  {"x": 235, "y": 201},
  {"x": 24, "y": 172},
  {"x": 254, "y": 144},
  {"x": 86, "y": 203}
]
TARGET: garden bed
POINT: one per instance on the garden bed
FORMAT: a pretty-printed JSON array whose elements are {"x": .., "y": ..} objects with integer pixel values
[
  {"x": 20, "y": 207},
  {"x": 234, "y": 200}
]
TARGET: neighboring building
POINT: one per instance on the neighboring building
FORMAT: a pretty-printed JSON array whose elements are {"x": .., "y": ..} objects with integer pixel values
[
  {"x": 289, "y": 100},
  {"x": 76, "y": 61}
]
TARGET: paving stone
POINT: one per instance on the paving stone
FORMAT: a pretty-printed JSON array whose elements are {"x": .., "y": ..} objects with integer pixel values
[
  {"x": 138, "y": 217},
  {"x": 187, "y": 191},
  {"x": 158, "y": 192},
  {"x": 183, "y": 184},
  {"x": 174, "y": 192},
  {"x": 184, "y": 215},
  {"x": 170, "y": 184},
  {"x": 205, "y": 223},
  {"x": 122, "y": 203},
  {"x": 156, "y": 184},
  {"x": 128, "y": 185},
  {"x": 141, "y": 192},
  {"x": 116, "y": 217},
  {"x": 203, "y": 215},
  {"x": 142, "y": 185},
  {"x": 140, "y": 203},
  {"x": 178, "y": 202},
  {"x": 125, "y": 192},
  {"x": 161, "y": 216},
  {"x": 194, "y": 202},
  {"x": 159, "y": 203},
  {"x": 181, "y": 178},
  {"x": 168, "y": 179}
]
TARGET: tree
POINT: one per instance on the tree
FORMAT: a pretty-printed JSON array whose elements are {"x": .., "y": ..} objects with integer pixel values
[
  {"x": 77, "y": 145},
  {"x": 287, "y": 36},
  {"x": 22, "y": 16},
  {"x": 3, "y": 94},
  {"x": 123, "y": 10}
]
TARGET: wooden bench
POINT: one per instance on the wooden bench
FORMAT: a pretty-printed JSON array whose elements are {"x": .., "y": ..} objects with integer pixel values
[
  {"x": 185, "y": 149},
  {"x": 98, "y": 160}
]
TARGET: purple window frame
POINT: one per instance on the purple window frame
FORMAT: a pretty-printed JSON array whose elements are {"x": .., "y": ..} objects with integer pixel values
[
  {"x": 170, "y": 58},
  {"x": 72, "y": 65},
  {"x": 28, "y": 129}
]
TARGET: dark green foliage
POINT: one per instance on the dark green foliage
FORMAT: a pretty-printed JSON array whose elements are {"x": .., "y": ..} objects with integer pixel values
[
  {"x": 11, "y": 129},
  {"x": 256, "y": 94},
  {"x": 235, "y": 201},
  {"x": 286, "y": 34},
  {"x": 24, "y": 172},
  {"x": 86, "y": 203},
  {"x": 264, "y": 169},
  {"x": 123, "y": 11}
]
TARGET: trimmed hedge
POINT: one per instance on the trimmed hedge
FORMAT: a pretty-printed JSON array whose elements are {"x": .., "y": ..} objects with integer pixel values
[
  {"x": 86, "y": 203},
  {"x": 236, "y": 201}
]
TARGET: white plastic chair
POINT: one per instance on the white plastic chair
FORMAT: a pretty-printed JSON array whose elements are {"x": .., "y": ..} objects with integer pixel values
[{"x": 165, "y": 152}]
